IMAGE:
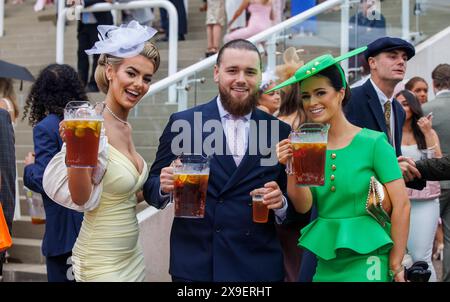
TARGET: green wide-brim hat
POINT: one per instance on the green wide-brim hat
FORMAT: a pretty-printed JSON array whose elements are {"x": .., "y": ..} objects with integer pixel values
[{"x": 317, "y": 65}]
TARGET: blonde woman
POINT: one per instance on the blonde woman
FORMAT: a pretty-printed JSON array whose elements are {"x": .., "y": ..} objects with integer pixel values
[{"x": 107, "y": 246}]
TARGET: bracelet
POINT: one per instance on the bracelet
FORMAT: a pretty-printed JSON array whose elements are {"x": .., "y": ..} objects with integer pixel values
[
  {"x": 432, "y": 147},
  {"x": 394, "y": 273}
]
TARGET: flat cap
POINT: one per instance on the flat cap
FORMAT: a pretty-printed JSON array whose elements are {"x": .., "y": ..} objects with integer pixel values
[{"x": 385, "y": 44}]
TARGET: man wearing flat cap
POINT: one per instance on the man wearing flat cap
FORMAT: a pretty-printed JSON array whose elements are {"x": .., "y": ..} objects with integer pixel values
[{"x": 372, "y": 105}]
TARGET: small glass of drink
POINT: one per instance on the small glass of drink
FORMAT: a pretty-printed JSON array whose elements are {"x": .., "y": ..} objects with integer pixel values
[
  {"x": 35, "y": 206},
  {"x": 309, "y": 144},
  {"x": 191, "y": 174},
  {"x": 260, "y": 210},
  {"x": 82, "y": 126}
]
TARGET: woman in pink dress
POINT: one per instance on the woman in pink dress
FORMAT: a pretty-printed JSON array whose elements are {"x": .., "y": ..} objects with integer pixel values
[{"x": 260, "y": 19}]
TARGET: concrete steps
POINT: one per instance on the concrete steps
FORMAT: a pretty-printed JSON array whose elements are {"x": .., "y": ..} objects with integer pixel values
[
  {"x": 26, "y": 250},
  {"x": 32, "y": 43},
  {"x": 20, "y": 272},
  {"x": 23, "y": 228}
]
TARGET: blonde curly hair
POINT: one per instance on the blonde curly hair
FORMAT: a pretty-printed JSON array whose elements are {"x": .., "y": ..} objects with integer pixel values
[{"x": 150, "y": 52}]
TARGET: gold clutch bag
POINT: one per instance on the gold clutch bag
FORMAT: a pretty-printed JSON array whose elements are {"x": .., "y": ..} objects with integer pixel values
[{"x": 378, "y": 203}]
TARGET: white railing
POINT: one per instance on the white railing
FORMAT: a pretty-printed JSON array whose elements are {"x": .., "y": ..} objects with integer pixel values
[
  {"x": 271, "y": 35},
  {"x": 2, "y": 14},
  {"x": 405, "y": 20},
  {"x": 74, "y": 12}
]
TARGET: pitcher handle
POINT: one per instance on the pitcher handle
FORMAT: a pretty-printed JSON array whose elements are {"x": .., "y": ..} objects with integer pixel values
[{"x": 289, "y": 167}]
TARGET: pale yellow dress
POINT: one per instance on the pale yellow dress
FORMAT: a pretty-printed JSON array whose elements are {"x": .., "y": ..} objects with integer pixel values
[{"x": 107, "y": 246}]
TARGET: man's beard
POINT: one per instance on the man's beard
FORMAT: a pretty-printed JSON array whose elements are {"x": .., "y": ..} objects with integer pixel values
[{"x": 236, "y": 107}]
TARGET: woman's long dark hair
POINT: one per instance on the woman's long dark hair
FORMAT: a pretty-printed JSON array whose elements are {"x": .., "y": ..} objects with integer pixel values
[
  {"x": 56, "y": 85},
  {"x": 417, "y": 113},
  {"x": 291, "y": 103}
]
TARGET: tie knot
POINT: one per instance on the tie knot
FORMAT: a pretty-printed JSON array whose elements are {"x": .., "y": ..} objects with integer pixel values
[{"x": 234, "y": 117}]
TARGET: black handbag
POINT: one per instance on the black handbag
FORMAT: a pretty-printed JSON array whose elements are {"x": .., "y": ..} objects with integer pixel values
[{"x": 418, "y": 272}]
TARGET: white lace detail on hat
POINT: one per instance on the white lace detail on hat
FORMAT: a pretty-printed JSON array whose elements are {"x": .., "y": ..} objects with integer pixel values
[
  {"x": 268, "y": 77},
  {"x": 124, "y": 42}
]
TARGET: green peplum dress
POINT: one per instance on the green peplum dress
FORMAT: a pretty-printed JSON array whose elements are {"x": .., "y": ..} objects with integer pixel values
[{"x": 349, "y": 244}]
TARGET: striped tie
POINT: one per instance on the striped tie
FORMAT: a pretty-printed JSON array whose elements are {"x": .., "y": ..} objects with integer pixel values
[{"x": 387, "y": 117}]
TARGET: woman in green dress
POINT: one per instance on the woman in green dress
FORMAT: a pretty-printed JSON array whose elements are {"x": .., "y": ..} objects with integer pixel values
[{"x": 349, "y": 244}]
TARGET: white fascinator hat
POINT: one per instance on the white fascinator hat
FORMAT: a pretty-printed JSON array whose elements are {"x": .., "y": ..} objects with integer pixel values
[
  {"x": 268, "y": 77},
  {"x": 124, "y": 41}
]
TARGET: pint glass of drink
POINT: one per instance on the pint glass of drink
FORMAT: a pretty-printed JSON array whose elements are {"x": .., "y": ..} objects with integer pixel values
[
  {"x": 309, "y": 144},
  {"x": 35, "y": 206},
  {"x": 82, "y": 124},
  {"x": 191, "y": 174},
  {"x": 260, "y": 210}
]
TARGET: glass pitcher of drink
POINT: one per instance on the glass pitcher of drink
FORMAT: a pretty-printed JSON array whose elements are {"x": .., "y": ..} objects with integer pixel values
[
  {"x": 82, "y": 126},
  {"x": 191, "y": 174},
  {"x": 309, "y": 144}
]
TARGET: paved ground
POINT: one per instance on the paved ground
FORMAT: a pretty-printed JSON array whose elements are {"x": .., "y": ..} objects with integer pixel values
[{"x": 438, "y": 267}]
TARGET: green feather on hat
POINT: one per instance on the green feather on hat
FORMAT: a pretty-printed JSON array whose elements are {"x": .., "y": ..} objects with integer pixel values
[{"x": 317, "y": 65}]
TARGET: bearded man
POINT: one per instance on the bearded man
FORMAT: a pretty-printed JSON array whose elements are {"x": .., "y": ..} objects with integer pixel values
[{"x": 226, "y": 245}]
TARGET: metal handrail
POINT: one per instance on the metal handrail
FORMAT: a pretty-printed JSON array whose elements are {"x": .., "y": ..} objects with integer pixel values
[
  {"x": 64, "y": 12},
  {"x": 2, "y": 15}
]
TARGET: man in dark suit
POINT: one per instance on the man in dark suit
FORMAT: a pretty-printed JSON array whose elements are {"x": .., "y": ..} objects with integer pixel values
[
  {"x": 440, "y": 108},
  {"x": 87, "y": 36},
  {"x": 429, "y": 169},
  {"x": 226, "y": 245},
  {"x": 373, "y": 105},
  {"x": 7, "y": 172}
]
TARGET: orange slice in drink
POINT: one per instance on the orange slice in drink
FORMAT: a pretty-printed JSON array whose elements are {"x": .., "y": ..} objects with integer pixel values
[
  {"x": 69, "y": 124},
  {"x": 182, "y": 178},
  {"x": 92, "y": 125},
  {"x": 193, "y": 179},
  {"x": 80, "y": 131}
]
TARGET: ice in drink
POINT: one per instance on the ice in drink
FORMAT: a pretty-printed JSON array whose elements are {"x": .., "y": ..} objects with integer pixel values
[
  {"x": 82, "y": 140},
  {"x": 190, "y": 195},
  {"x": 308, "y": 163},
  {"x": 309, "y": 146}
]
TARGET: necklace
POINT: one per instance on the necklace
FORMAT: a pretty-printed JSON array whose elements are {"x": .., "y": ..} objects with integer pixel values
[{"x": 116, "y": 117}]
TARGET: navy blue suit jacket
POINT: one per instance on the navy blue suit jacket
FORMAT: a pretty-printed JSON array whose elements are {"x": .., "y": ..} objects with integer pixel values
[
  {"x": 225, "y": 245},
  {"x": 62, "y": 225},
  {"x": 364, "y": 110}
]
